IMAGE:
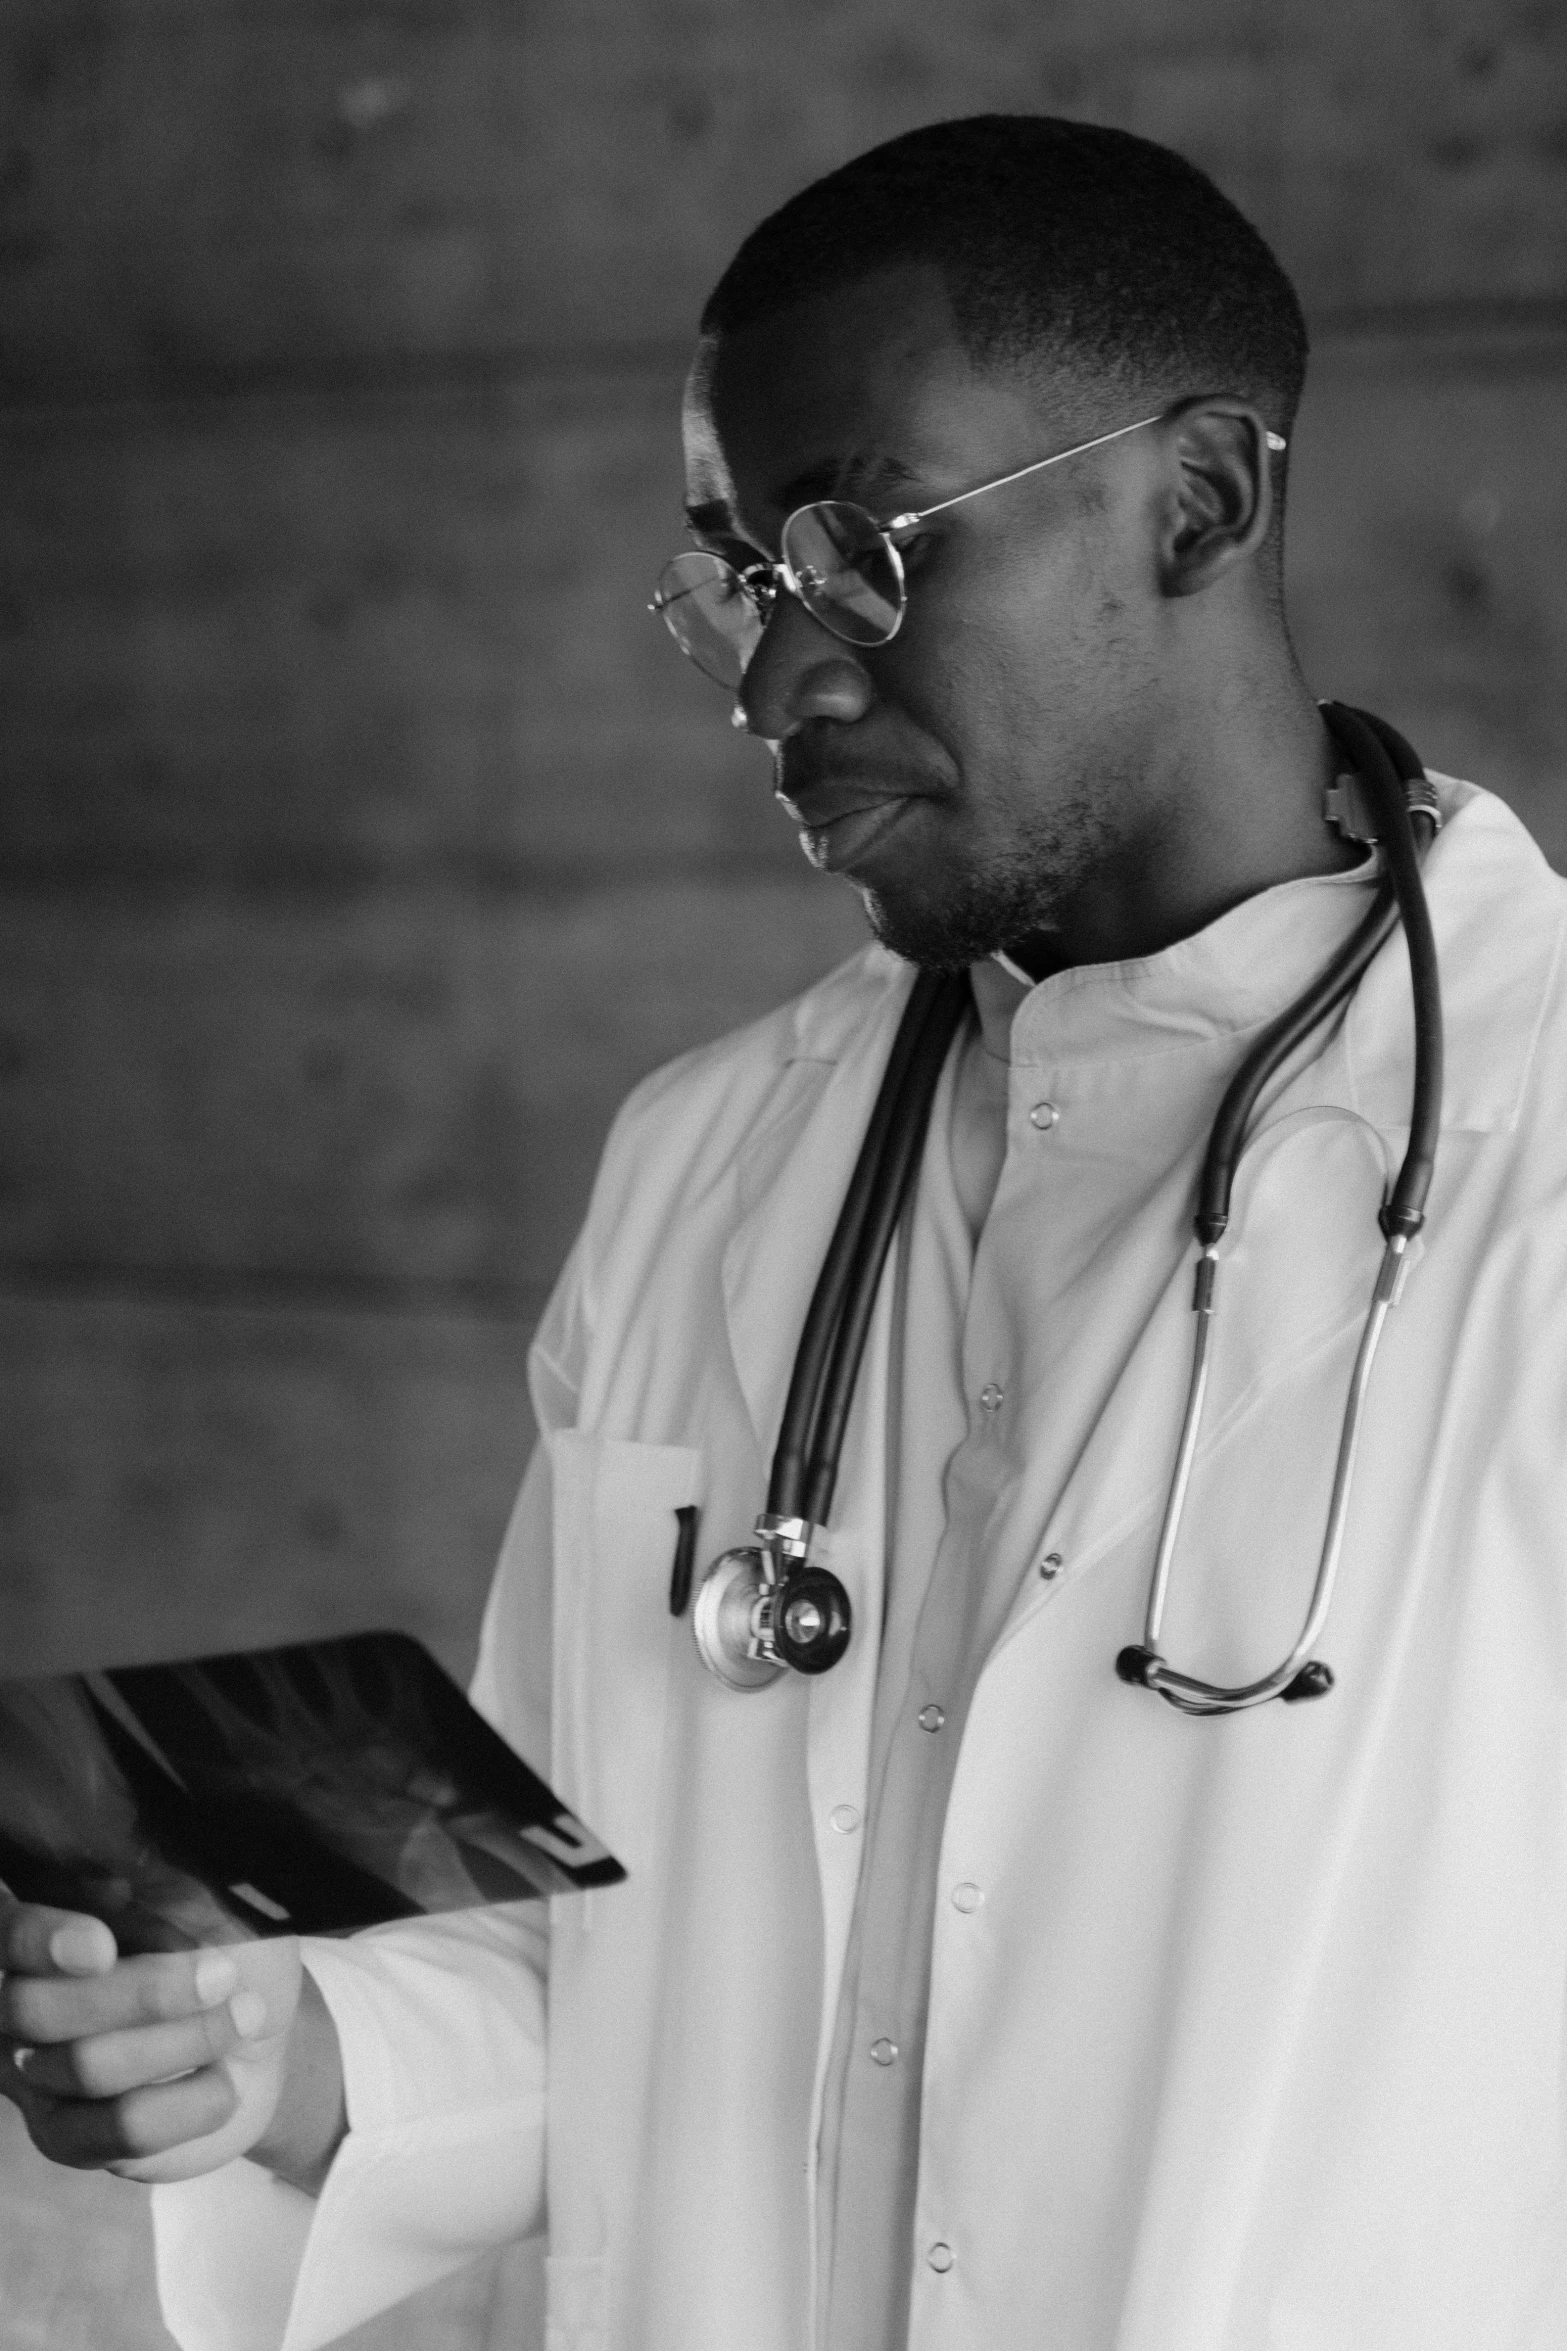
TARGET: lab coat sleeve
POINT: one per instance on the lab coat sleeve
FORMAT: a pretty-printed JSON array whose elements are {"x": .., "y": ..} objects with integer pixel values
[{"x": 441, "y": 2022}]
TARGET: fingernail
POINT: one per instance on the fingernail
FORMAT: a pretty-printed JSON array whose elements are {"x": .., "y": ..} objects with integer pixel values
[
  {"x": 82, "y": 1947},
  {"x": 23, "y": 2058},
  {"x": 215, "y": 1978},
  {"x": 249, "y": 2012}
]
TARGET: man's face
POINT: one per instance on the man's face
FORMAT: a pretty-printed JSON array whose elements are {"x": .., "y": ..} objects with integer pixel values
[{"x": 978, "y": 774}]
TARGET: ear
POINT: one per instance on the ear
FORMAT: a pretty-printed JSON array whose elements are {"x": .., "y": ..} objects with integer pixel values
[{"x": 1221, "y": 501}]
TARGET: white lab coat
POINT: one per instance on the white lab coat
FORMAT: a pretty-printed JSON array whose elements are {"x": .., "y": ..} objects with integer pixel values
[{"x": 1256, "y": 2039}]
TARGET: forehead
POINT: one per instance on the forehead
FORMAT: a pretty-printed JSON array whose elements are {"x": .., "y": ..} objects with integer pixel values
[{"x": 853, "y": 391}]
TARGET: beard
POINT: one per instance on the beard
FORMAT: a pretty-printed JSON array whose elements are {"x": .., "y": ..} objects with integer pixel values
[{"x": 954, "y": 915}]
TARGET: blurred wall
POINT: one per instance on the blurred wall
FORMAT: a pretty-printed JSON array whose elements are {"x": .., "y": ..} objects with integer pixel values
[{"x": 362, "y": 839}]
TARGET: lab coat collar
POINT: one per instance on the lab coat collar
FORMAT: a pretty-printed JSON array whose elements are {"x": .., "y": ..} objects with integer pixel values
[{"x": 1498, "y": 912}]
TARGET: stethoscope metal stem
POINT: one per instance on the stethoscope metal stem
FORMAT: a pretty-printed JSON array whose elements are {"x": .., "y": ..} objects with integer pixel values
[
  {"x": 1191, "y": 1427},
  {"x": 1185, "y": 1691}
]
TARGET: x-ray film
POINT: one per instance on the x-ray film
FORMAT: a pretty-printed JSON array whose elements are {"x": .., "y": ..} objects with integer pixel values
[{"x": 307, "y": 1790}]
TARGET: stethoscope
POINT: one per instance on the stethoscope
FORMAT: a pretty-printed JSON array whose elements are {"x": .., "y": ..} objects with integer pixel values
[{"x": 768, "y": 1608}]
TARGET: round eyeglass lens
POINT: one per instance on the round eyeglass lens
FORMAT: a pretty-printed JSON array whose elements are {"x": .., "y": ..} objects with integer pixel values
[
  {"x": 711, "y": 614},
  {"x": 845, "y": 571}
]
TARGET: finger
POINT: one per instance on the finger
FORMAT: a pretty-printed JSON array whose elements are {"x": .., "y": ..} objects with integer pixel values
[
  {"x": 39, "y": 1941},
  {"x": 161, "y": 1989},
  {"x": 88, "y": 2133},
  {"x": 109, "y": 2064}
]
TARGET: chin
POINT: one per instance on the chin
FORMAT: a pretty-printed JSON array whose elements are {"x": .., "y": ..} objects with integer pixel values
[{"x": 959, "y": 928}]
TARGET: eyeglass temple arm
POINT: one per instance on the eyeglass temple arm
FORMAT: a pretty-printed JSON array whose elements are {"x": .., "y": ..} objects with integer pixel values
[{"x": 904, "y": 522}]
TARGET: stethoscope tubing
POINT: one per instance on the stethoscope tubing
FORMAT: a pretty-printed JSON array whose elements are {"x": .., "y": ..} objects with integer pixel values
[
  {"x": 949, "y": 1006},
  {"x": 1389, "y": 764},
  {"x": 844, "y": 1265}
]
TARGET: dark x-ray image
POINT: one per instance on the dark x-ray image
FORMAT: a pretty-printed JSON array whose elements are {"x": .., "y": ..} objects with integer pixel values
[{"x": 311, "y": 1790}]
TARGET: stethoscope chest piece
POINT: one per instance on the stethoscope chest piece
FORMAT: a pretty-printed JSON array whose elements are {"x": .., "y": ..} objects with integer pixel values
[
  {"x": 752, "y": 1622},
  {"x": 724, "y": 1624}
]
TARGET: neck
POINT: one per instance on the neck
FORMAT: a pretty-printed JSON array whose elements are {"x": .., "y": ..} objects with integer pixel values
[{"x": 1228, "y": 788}]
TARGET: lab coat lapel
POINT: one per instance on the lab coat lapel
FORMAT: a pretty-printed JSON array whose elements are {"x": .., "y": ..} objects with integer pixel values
[
  {"x": 1494, "y": 979},
  {"x": 838, "y": 1730},
  {"x": 792, "y": 1181}
]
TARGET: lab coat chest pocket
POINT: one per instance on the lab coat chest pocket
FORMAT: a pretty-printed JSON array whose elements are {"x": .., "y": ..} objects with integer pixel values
[{"x": 615, "y": 1535}]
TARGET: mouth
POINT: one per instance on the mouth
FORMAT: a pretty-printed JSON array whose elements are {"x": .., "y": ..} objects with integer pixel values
[{"x": 836, "y": 844}]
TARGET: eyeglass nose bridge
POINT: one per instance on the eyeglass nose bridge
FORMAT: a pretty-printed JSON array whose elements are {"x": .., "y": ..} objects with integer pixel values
[{"x": 789, "y": 655}]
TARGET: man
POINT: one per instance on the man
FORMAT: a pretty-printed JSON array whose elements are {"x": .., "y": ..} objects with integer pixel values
[{"x": 967, "y": 1996}]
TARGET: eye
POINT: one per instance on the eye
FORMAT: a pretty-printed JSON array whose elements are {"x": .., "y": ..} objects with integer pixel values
[
  {"x": 914, "y": 548},
  {"x": 759, "y": 584}
]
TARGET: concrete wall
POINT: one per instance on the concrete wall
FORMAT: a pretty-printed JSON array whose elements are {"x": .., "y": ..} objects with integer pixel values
[{"x": 361, "y": 839}]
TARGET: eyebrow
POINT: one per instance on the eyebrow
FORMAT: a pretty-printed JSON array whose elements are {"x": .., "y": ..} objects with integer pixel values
[
  {"x": 830, "y": 477},
  {"x": 833, "y": 477},
  {"x": 712, "y": 517}
]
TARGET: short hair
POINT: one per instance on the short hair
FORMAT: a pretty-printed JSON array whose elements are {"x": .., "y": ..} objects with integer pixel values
[{"x": 1064, "y": 245}]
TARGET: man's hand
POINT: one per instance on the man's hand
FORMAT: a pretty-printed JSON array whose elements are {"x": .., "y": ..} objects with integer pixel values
[{"x": 157, "y": 2068}]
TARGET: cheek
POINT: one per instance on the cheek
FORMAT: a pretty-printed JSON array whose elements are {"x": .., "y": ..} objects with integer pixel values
[{"x": 1013, "y": 661}]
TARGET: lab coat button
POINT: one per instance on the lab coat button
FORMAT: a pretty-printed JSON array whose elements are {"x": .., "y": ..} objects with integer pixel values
[
  {"x": 966, "y": 1897},
  {"x": 1042, "y": 1115},
  {"x": 845, "y": 1819},
  {"x": 992, "y": 1397},
  {"x": 1050, "y": 1566},
  {"x": 884, "y": 2052},
  {"x": 930, "y": 1718},
  {"x": 941, "y": 2257}
]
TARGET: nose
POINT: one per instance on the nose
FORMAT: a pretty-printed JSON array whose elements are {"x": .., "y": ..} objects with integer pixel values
[{"x": 799, "y": 671}]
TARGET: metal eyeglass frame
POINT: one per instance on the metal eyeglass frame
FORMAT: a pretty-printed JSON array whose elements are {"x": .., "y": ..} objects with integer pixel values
[{"x": 762, "y": 578}]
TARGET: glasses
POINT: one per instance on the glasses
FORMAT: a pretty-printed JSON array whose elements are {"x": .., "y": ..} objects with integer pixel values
[{"x": 835, "y": 559}]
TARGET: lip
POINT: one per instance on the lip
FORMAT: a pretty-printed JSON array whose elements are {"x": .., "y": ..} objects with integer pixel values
[{"x": 836, "y": 844}]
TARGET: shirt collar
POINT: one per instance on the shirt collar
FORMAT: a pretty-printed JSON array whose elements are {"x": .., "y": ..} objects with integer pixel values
[
  {"x": 1500, "y": 919},
  {"x": 1232, "y": 975}
]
